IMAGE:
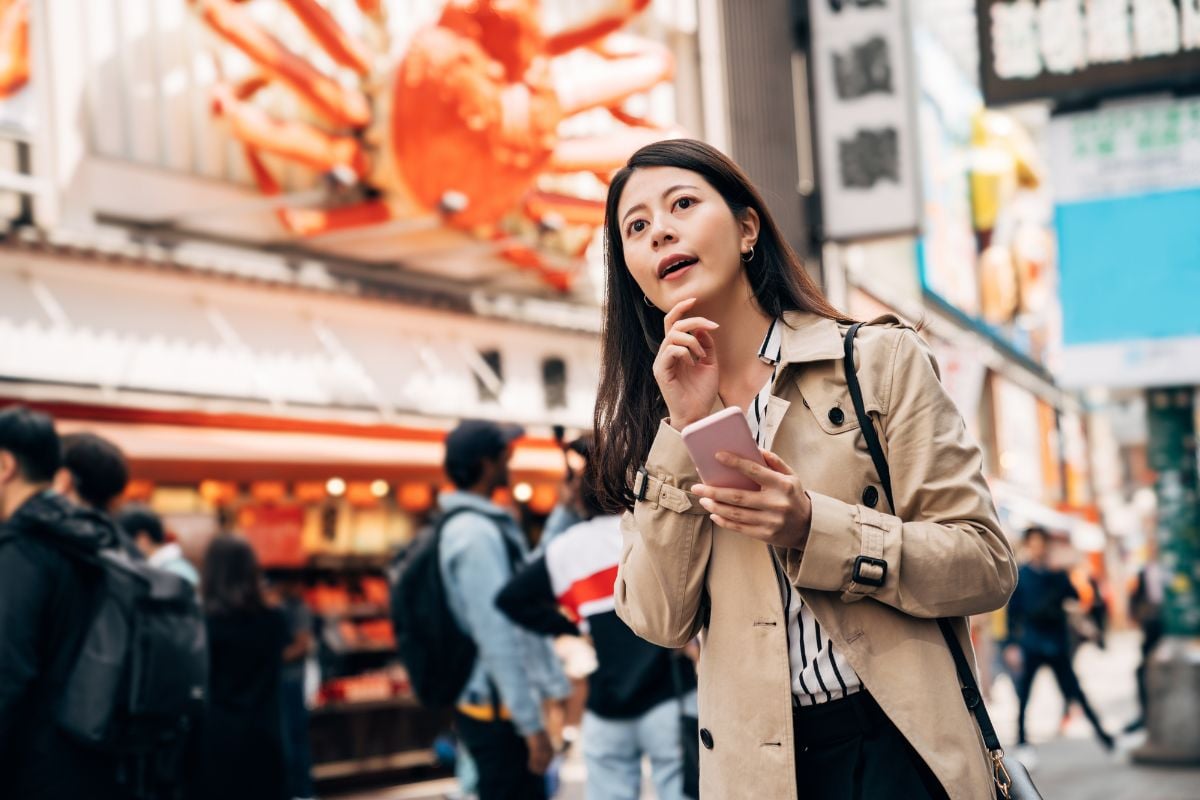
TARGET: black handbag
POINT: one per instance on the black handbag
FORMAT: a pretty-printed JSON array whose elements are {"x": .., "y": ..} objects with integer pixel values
[{"x": 1011, "y": 778}]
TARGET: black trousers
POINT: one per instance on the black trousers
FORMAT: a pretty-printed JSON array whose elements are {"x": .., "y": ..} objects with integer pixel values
[
  {"x": 1068, "y": 684},
  {"x": 849, "y": 750},
  {"x": 502, "y": 759}
]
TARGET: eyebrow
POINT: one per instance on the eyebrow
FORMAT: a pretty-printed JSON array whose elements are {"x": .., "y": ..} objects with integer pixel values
[{"x": 664, "y": 195}]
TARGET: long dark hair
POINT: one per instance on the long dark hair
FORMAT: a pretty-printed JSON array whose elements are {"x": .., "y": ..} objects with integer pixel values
[
  {"x": 232, "y": 578},
  {"x": 629, "y": 405}
]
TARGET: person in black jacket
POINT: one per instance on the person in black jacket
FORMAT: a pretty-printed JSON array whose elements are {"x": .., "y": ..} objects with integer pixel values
[
  {"x": 94, "y": 475},
  {"x": 246, "y": 639},
  {"x": 1038, "y": 635},
  {"x": 46, "y": 597},
  {"x": 638, "y": 690}
]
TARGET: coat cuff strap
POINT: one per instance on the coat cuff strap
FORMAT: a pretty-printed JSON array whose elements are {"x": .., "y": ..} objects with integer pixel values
[
  {"x": 870, "y": 569},
  {"x": 658, "y": 493}
]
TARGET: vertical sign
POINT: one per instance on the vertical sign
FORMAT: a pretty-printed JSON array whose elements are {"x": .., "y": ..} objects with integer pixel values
[
  {"x": 865, "y": 130},
  {"x": 1173, "y": 457}
]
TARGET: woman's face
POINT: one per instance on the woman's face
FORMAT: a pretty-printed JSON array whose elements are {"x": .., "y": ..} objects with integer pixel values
[{"x": 680, "y": 238}]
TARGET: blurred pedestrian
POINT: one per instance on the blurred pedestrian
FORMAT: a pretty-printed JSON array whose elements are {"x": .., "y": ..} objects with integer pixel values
[
  {"x": 814, "y": 587},
  {"x": 247, "y": 638},
  {"x": 635, "y": 698},
  {"x": 499, "y": 713},
  {"x": 1097, "y": 611},
  {"x": 1145, "y": 606},
  {"x": 1039, "y": 635},
  {"x": 145, "y": 527},
  {"x": 297, "y": 747},
  {"x": 568, "y": 510},
  {"x": 94, "y": 474},
  {"x": 46, "y": 602}
]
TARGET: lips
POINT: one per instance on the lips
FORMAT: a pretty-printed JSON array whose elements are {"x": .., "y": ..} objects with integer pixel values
[{"x": 672, "y": 264}]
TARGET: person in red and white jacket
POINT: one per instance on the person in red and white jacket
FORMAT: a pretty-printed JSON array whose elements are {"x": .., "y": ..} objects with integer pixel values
[{"x": 638, "y": 690}]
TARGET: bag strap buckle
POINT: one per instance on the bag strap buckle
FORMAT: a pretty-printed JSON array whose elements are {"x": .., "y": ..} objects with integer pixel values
[{"x": 1000, "y": 774}]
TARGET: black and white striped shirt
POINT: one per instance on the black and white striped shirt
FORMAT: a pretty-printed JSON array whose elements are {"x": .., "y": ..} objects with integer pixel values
[{"x": 819, "y": 673}]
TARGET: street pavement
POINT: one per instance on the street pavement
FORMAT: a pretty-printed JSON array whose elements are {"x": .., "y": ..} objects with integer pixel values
[{"x": 1069, "y": 763}]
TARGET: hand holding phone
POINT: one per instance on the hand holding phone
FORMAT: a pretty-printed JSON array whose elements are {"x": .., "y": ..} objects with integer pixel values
[{"x": 728, "y": 431}]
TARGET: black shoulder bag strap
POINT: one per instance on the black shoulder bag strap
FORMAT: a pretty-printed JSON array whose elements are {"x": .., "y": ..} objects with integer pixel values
[{"x": 970, "y": 688}]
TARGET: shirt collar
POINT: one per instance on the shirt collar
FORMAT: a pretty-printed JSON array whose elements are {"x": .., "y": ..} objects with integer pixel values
[
  {"x": 768, "y": 351},
  {"x": 460, "y": 499},
  {"x": 165, "y": 554}
]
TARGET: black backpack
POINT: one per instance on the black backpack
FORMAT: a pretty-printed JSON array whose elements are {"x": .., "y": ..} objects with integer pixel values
[
  {"x": 438, "y": 655},
  {"x": 139, "y": 683}
]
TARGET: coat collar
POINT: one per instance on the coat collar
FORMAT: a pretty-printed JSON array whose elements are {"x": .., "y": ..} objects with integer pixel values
[{"x": 810, "y": 337}]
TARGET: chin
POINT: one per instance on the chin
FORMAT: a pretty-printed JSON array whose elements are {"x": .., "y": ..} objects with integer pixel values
[{"x": 698, "y": 289}]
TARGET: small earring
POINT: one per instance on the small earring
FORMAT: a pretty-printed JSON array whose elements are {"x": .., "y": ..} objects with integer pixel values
[
  {"x": 648, "y": 301},
  {"x": 748, "y": 257}
]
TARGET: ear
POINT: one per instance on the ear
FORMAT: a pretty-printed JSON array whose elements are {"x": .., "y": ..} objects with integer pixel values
[
  {"x": 8, "y": 467},
  {"x": 64, "y": 484},
  {"x": 748, "y": 226}
]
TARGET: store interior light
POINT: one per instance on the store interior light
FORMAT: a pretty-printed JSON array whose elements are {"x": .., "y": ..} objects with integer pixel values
[
  {"x": 379, "y": 488},
  {"x": 522, "y": 492},
  {"x": 336, "y": 487}
]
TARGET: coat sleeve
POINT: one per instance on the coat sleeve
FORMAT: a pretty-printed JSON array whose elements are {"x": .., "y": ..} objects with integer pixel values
[
  {"x": 667, "y": 540},
  {"x": 944, "y": 550},
  {"x": 529, "y": 601}
]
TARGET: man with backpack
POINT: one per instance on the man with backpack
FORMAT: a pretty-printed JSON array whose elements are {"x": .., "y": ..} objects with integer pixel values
[
  {"x": 478, "y": 546},
  {"x": 103, "y": 668},
  {"x": 46, "y": 599},
  {"x": 94, "y": 475}
]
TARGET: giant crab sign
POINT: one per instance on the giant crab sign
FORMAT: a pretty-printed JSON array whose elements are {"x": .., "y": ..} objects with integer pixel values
[{"x": 471, "y": 116}]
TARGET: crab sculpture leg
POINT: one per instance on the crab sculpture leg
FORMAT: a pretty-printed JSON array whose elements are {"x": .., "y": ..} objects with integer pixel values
[
  {"x": 14, "y": 46},
  {"x": 633, "y": 65},
  {"x": 303, "y": 143}
]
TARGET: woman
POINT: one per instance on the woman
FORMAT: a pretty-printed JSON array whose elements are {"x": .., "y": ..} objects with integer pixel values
[
  {"x": 246, "y": 640},
  {"x": 823, "y": 673}
]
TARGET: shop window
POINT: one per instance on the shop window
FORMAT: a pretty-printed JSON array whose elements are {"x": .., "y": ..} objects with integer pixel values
[
  {"x": 554, "y": 382},
  {"x": 489, "y": 390}
]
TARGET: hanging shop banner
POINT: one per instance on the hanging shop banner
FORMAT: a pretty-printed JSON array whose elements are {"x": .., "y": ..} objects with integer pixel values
[
  {"x": 865, "y": 129},
  {"x": 1018, "y": 438},
  {"x": 1127, "y": 184},
  {"x": 1126, "y": 149},
  {"x": 1075, "y": 50},
  {"x": 987, "y": 245}
]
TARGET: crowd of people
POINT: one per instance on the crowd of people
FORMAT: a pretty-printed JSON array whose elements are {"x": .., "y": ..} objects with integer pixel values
[
  {"x": 250, "y": 738},
  {"x": 57, "y": 497}
]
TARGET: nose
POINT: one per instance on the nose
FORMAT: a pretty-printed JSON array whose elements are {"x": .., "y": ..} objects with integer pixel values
[{"x": 662, "y": 233}]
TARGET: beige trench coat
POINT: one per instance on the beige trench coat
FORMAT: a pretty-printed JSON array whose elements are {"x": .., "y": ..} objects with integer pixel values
[{"x": 946, "y": 557}]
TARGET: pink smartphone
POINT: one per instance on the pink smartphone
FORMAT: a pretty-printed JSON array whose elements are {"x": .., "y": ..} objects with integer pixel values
[{"x": 728, "y": 431}]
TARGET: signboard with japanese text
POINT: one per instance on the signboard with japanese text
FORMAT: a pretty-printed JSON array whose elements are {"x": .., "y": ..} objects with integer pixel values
[
  {"x": 865, "y": 129},
  {"x": 1074, "y": 50},
  {"x": 1127, "y": 197}
]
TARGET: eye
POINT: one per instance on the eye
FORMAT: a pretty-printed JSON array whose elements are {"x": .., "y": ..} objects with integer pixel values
[
  {"x": 685, "y": 203},
  {"x": 637, "y": 226}
]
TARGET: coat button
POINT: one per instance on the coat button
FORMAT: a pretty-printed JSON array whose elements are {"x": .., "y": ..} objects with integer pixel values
[
  {"x": 706, "y": 739},
  {"x": 836, "y": 416},
  {"x": 870, "y": 496}
]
